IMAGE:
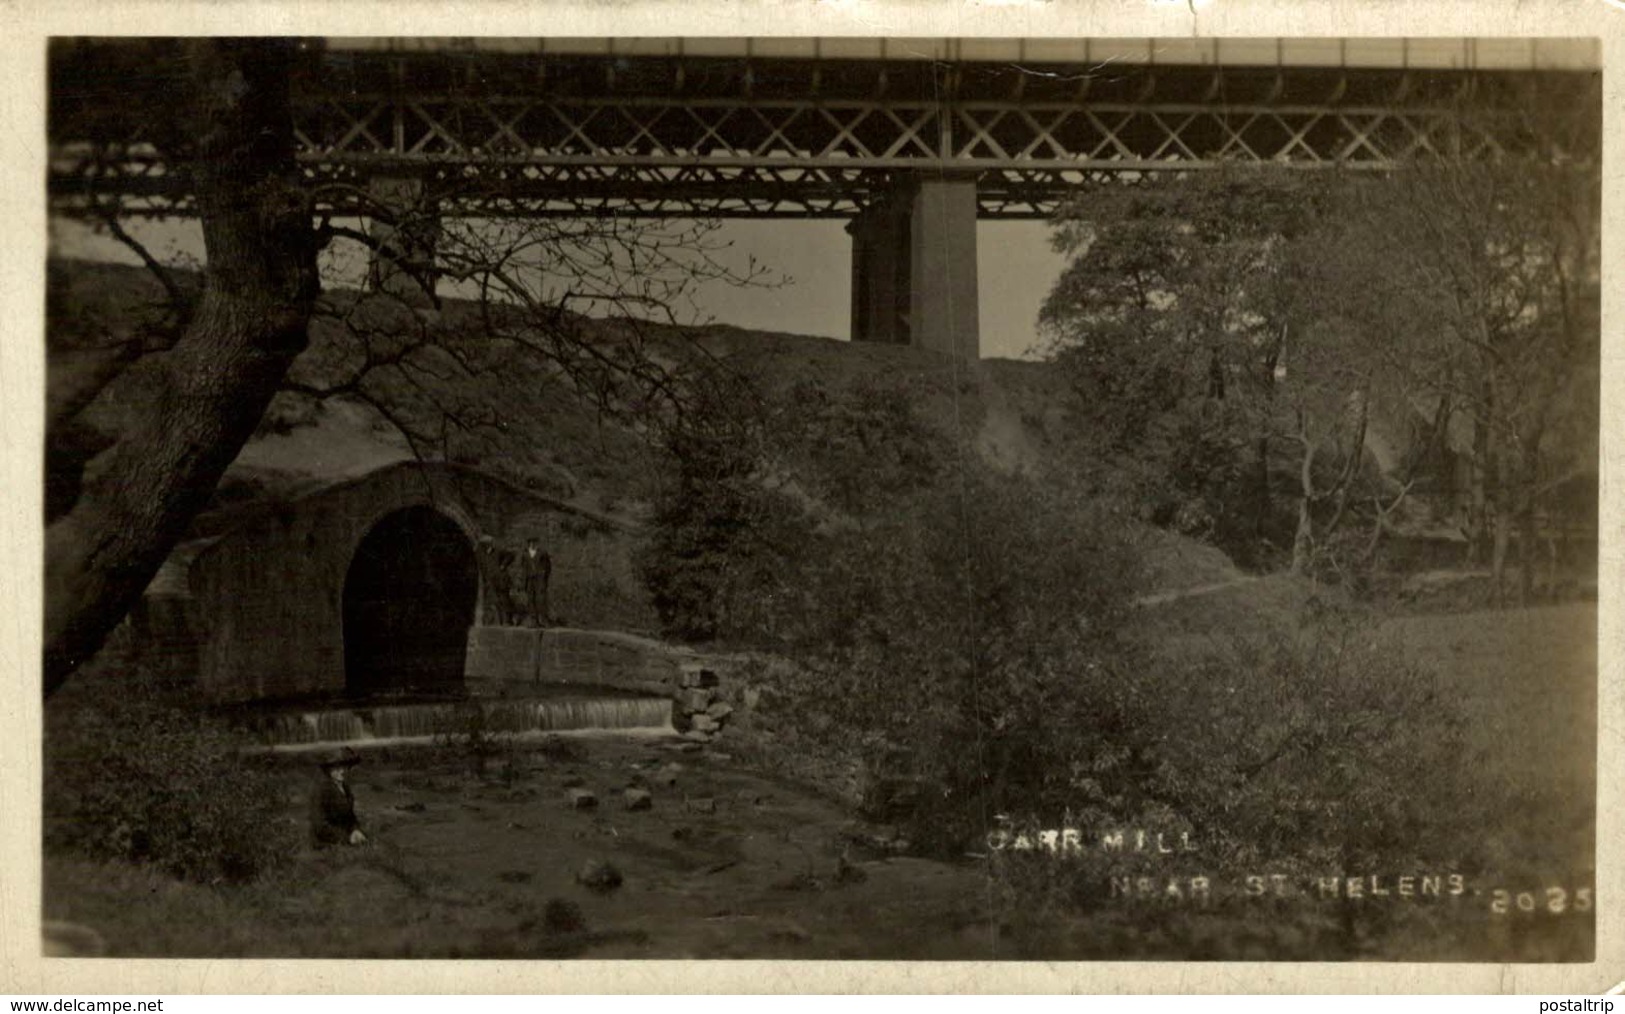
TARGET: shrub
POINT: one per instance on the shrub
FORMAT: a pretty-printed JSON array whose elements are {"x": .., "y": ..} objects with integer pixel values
[
  {"x": 858, "y": 450},
  {"x": 721, "y": 532},
  {"x": 719, "y": 548},
  {"x": 475, "y": 743},
  {"x": 956, "y": 644},
  {"x": 131, "y": 775},
  {"x": 751, "y": 485},
  {"x": 962, "y": 647},
  {"x": 1315, "y": 753},
  {"x": 1322, "y": 746}
]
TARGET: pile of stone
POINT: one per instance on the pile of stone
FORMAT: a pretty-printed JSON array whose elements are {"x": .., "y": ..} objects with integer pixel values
[{"x": 699, "y": 714}]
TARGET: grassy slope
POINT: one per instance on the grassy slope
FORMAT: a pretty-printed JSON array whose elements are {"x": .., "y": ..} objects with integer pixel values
[
  {"x": 1014, "y": 414},
  {"x": 1524, "y": 682}
]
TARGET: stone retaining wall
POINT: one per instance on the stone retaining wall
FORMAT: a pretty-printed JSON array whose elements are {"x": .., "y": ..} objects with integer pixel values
[
  {"x": 509, "y": 661},
  {"x": 502, "y": 659}
]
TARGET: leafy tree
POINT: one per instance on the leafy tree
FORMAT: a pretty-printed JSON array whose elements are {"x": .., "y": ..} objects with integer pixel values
[
  {"x": 856, "y": 451},
  {"x": 753, "y": 482},
  {"x": 1482, "y": 280},
  {"x": 1185, "y": 319},
  {"x": 1258, "y": 310},
  {"x": 724, "y": 534}
]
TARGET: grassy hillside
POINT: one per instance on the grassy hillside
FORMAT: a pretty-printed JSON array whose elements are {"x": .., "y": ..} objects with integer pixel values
[{"x": 523, "y": 417}]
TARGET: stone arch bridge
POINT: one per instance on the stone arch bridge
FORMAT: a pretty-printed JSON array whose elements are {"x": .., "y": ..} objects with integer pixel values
[{"x": 379, "y": 586}]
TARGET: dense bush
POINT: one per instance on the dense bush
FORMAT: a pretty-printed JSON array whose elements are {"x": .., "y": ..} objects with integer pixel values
[
  {"x": 962, "y": 647},
  {"x": 1325, "y": 747},
  {"x": 132, "y": 775},
  {"x": 962, "y": 655},
  {"x": 1319, "y": 753},
  {"x": 749, "y": 484},
  {"x": 722, "y": 542},
  {"x": 857, "y": 450}
]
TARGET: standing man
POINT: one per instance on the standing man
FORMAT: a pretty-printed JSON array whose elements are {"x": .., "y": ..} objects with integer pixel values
[
  {"x": 536, "y": 569},
  {"x": 491, "y": 570},
  {"x": 507, "y": 611}
]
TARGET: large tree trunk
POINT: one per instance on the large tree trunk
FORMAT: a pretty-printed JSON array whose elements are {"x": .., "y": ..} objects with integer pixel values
[{"x": 209, "y": 391}]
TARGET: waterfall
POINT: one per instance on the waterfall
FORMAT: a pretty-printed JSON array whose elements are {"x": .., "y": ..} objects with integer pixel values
[{"x": 395, "y": 723}]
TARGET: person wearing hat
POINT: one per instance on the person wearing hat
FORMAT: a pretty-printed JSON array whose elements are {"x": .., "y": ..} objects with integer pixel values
[
  {"x": 488, "y": 577},
  {"x": 536, "y": 569},
  {"x": 496, "y": 564},
  {"x": 507, "y": 611},
  {"x": 332, "y": 810}
]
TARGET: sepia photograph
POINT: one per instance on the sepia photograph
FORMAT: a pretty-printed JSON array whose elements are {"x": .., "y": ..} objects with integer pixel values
[{"x": 876, "y": 498}]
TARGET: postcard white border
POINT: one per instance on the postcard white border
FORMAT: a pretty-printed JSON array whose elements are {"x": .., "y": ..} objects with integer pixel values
[{"x": 25, "y": 25}]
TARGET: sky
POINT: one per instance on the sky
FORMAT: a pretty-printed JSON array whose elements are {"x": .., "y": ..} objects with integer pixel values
[{"x": 1015, "y": 270}]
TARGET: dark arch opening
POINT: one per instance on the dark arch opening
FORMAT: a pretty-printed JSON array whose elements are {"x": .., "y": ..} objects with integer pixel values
[{"x": 409, "y": 600}]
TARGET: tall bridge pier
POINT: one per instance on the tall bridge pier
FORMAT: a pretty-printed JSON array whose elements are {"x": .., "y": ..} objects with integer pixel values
[
  {"x": 914, "y": 277},
  {"x": 910, "y": 141},
  {"x": 914, "y": 267}
]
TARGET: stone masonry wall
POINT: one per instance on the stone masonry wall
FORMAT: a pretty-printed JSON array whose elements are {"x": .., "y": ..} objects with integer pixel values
[
  {"x": 268, "y": 595},
  {"x": 513, "y": 661}
]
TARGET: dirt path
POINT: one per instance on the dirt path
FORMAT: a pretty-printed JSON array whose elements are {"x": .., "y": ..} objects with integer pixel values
[{"x": 1185, "y": 593}]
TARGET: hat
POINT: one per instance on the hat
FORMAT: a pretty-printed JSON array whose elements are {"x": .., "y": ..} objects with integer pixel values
[{"x": 341, "y": 758}]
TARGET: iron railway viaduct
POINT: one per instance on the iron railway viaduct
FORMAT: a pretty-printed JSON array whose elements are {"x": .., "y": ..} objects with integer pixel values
[{"x": 911, "y": 141}]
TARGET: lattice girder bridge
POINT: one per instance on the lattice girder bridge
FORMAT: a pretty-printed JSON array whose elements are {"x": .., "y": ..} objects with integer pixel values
[{"x": 912, "y": 146}]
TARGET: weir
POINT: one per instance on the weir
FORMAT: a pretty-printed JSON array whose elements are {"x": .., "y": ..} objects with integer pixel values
[{"x": 383, "y": 724}]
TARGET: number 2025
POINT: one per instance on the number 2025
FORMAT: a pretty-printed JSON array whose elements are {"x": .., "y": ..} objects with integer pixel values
[{"x": 1556, "y": 900}]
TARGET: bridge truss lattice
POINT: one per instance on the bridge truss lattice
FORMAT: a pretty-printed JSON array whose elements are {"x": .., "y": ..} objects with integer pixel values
[{"x": 508, "y": 135}]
